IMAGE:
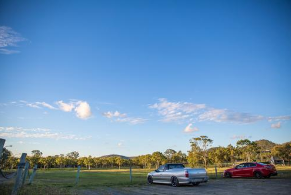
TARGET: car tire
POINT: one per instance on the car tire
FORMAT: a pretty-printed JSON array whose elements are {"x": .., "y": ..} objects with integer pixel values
[
  {"x": 150, "y": 180},
  {"x": 228, "y": 175},
  {"x": 258, "y": 175},
  {"x": 195, "y": 183},
  {"x": 175, "y": 182}
]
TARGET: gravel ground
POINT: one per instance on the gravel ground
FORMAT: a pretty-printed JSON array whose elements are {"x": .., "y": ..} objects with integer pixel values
[{"x": 220, "y": 186}]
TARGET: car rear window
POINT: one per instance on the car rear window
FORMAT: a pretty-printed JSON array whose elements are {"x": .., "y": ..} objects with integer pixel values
[
  {"x": 262, "y": 164},
  {"x": 175, "y": 166}
]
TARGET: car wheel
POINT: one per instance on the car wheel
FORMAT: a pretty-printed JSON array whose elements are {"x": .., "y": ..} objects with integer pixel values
[
  {"x": 195, "y": 183},
  {"x": 150, "y": 180},
  {"x": 175, "y": 182},
  {"x": 228, "y": 175},
  {"x": 258, "y": 175}
]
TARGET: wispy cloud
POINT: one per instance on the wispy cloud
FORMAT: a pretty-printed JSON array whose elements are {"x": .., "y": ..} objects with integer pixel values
[
  {"x": 224, "y": 115},
  {"x": 241, "y": 137},
  {"x": 37, "y": 104},
  {"x": 176, "y": 111},
  {"x": 110, "y": 114},
  {"x": 81, "y": 108},
  {"x": 279, "y": 118},
  {"x": 122, "y": 117},
  {"x": 20, "y": 132},
  {"x": 9, "y": 39},
  {"x": 276, "y": 125},
  {"x": 188, "y": 112},
  {"x": 190, "y": 129}
]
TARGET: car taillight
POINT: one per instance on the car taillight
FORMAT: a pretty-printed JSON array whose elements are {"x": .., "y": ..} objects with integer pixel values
[{"x": 186, "y": 174}]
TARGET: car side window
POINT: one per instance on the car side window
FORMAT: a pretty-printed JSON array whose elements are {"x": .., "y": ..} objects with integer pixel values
[
  {"x": 161, "y": 168},
  {"x": 252, "y": 165},
  {"x": 240, "y": 166}
]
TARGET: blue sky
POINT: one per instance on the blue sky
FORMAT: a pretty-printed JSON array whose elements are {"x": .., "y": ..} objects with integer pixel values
[{"x": 134, "y": 77}]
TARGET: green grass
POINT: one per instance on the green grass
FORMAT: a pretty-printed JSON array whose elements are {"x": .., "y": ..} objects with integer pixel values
[{"x": 62, "y": 181}]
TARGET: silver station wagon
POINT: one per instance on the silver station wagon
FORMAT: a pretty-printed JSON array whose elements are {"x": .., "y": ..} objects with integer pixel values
[{"x": 177, "y": 174}]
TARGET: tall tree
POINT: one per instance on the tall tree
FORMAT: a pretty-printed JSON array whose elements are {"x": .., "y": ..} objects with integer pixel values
[
  {"x": 248, "y": 149},
  {"x": 283, "y": 151},
  {"x": 169, "y": 154},
  {"x": 72, "y": 158},
  {"x": 36, "y": 156},
  {"x": 158, "y": 157},
  {"x": 119, "y": 161},
  {"x": 199, "y": 149}
]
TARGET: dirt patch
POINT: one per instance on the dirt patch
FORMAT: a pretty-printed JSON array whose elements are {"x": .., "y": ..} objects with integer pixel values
[{"x": 221, "y": 186}]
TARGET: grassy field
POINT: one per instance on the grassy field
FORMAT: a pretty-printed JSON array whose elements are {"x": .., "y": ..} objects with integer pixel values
[{"x": 62, "y": 181}]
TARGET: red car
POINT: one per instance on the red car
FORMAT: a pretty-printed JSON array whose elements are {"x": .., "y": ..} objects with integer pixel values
[{"x": 258, "y": 170}]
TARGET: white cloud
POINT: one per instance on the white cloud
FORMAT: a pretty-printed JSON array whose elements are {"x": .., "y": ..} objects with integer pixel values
[
  {"x": 279, "y": 118},
  {"x": 276, "y": 125},
  {"x": 190, "y": 129},
  {"x": 122, "y": 117},
  {"x": 66, "y": 107},
  {"x": 176, "y": 111},
  {"x": 120, "y": 144},
  {"x": 132, "y": 120},
  {"x": 46, "y": 105},
  {"x": 9, "y": 39},
  {"x": 224, "y": 115},
  {"x": 113, "y": 114},
  {"x": 182, "y": 112},
  {"x": 83, "y": 110},
  {"x": 240, "y": 137},
  {"x": 19, "y": 132},
  {"x": 37, "y": 104}
]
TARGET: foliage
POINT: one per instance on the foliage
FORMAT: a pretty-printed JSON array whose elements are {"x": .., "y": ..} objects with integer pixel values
[{"x": 199, "y": 150}]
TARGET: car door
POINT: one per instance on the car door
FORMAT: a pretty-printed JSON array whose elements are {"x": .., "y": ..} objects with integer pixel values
[
  {"x": 157, "y": 177},
  {"x": 167, "y": 174},
  {"x": 239, "y": 170},
  {"x": 249, "y": 170}
]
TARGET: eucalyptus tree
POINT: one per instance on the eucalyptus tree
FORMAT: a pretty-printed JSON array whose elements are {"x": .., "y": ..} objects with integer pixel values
[
  {"x": 248, "y": 149},
  {"x": 199, "y": 150},
  {"x": 35, "y": 158},
  {"x": 119, "y": 161},
  {"x": 158, "y": 158},
  {"x": 170, "y": 154}
]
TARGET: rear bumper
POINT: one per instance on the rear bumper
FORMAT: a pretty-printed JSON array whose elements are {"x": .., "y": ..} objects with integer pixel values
[{"x": 195, "y": 180}]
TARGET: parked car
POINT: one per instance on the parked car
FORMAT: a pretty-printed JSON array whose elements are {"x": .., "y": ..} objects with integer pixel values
[
  {"x": 177, "y": 174},
  {"x": 253, "y": 169}
]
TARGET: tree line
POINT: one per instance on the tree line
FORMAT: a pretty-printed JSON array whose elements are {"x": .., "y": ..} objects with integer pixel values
[{"x": 201, "y": 153}]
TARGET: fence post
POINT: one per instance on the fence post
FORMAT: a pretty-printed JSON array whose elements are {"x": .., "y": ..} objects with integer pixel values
[
  {"x": 32, "y": 175},
  {"x": 25, "y": 172},
  {"x": 215, "y": 172},
  {"x": 77, "y": 176},
  {"x": 19, "y": 173},
  {"x": 130, "y": 173},
  {"x": 2, "y": 142}
]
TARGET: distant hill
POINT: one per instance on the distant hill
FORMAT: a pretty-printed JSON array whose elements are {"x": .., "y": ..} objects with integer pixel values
[
  {"x": 116, "y": 155},
  {"x": 265, "y": 144}
]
